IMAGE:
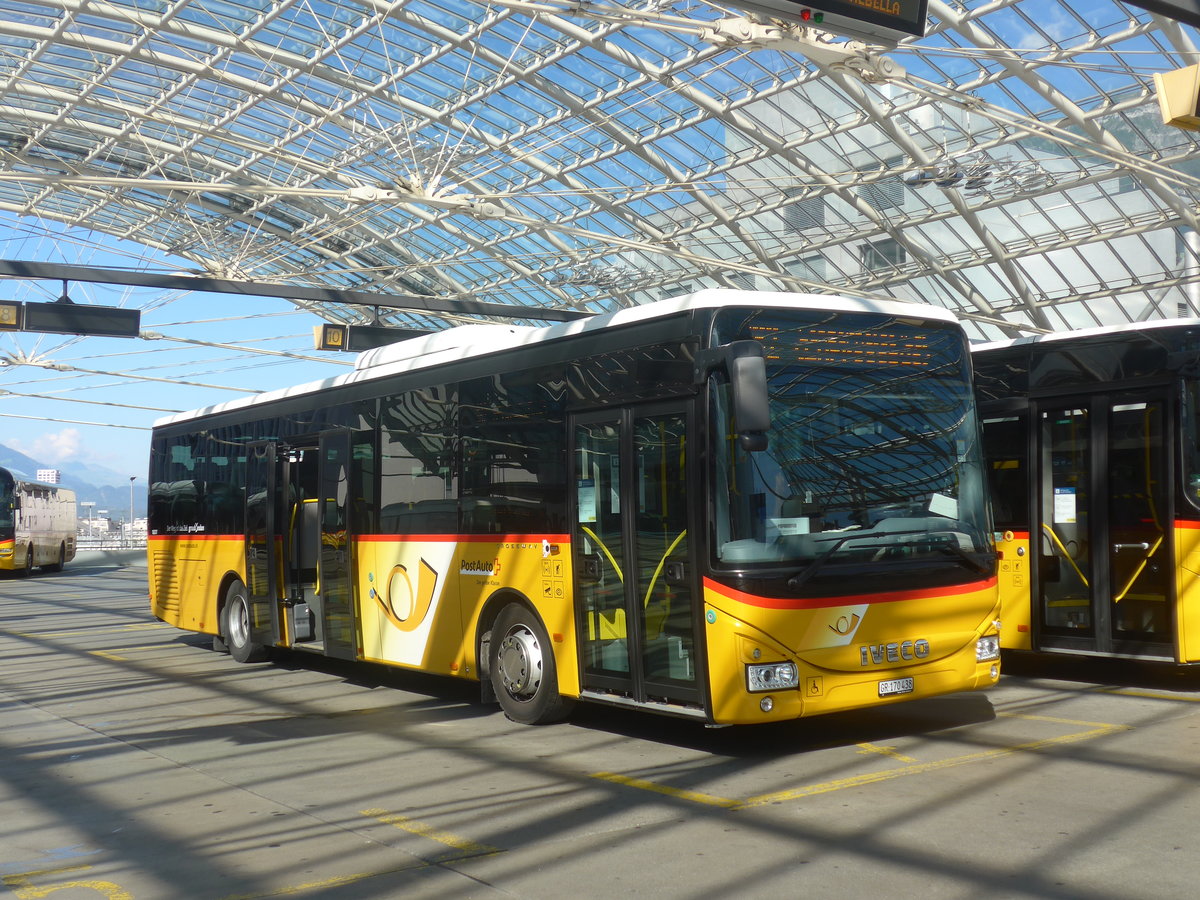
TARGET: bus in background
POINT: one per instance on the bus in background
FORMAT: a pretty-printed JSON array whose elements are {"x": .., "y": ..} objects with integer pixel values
[
  {"x": 1093, "y": 447},
  {"x": 731, "y": 506},
  {"x": 37, "y": 525}
]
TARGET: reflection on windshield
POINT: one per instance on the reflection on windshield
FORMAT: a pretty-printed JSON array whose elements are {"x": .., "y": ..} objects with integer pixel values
[
  {"x": 6, "y": 508},
  {"x": 873, "y": 450}
]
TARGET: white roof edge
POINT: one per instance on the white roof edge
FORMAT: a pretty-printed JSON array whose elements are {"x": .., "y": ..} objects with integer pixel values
[
  {"x": 468, "y": 340},
  {"x": 1098, "y": 331}
]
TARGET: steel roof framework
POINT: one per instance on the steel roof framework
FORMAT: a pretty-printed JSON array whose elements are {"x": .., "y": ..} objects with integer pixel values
[{"x": 1010, "y": 166}]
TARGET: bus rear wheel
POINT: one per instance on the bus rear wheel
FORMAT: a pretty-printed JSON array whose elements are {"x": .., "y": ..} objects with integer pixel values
[
  {"x": 58, "y": 565},
  {"x": 522, "y": 669},
  {"x": 235, "y": 626}
]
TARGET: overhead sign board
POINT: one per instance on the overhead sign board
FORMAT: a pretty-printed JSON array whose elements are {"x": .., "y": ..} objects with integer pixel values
[
  {"x": 70, "y": 318},
  {"x": 357, "y": 338},
  {"x": 11, "y": 315},
  {"x": 1186, "y": 11},
  {"x": 873, "y": 21},
  {"x": 1179, "y": 97}
]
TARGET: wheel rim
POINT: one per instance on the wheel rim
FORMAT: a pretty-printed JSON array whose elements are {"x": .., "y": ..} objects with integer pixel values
[
  {"x": 239, "y": 622},
  {"x": 519, "y": 659}
]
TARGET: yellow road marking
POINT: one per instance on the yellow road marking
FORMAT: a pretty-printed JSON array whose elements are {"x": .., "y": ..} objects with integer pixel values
[
  {"x": 412, "y": 826},
  {"x": 884, "y": 751},
  {"x": 921, "y": 768},
  {"x": 1095, "y": 730},
  {"x": 679, "y": 793},
  {"x": 1148, "y": 695},
  {"x": 22, "y": 884},
  {"x": 335, "y": 881},
  {"x": 87, "y": 631},
  {"x": 1056, "y": 720},
  {"x": 110, "y": 654}
]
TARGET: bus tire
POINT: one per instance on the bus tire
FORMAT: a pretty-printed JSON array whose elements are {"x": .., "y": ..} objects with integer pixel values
[
  {"x": 522, "y": 670},
  {"x": 235, "y": 626},
  {"x": 28, "y": 570},
  {"x": 62, "y": 560}
]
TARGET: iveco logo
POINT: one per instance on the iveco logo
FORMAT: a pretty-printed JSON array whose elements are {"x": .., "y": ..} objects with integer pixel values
[{"x": 878, "y": 654}]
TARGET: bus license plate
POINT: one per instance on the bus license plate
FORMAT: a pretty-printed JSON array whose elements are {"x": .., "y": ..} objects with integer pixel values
[{"x": 895, "y": 686}]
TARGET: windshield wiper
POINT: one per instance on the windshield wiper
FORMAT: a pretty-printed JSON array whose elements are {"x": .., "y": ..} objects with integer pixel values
[
  {"x": 815, "y": 566},
  {"x": 983, "y": 568}
]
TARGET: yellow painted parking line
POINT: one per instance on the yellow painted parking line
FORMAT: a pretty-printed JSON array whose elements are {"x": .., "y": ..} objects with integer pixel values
[
  {"x": 335, "y": 881},
  {"x": 110, "y": 654},
  {"x": 24, "y": 884},
  {"x": 889, "y": 752},
  {"x": 1149, "y": 695},
  {"x": 86, "y": 631},
  {"x": 1094, "y": 730},
  {"x": 1099, "y": 730},
  {"x": 463, "y": 845},
  {"x": 1057, "y": 720},
  {"x": 666, "y": 789}
]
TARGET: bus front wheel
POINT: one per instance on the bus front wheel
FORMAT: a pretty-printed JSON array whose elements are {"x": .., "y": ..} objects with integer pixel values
[
  {"x": 522, "y": 669},
  {"x": 235, "y": 626}
]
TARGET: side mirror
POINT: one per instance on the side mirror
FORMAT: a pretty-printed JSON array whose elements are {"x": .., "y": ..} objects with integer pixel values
[{"x": 746, "y": 366}]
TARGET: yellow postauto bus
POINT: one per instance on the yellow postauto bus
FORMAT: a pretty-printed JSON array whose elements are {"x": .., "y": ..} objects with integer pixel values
[
  {"x": 37, "y": 525},
  {"x": 732, "y": 506},
  {"x": 1093, "y": 446}
]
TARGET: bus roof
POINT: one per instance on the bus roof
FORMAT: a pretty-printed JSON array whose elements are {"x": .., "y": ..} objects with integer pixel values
[
  {"x": 1083, "y": 333},
  {"x": 467, "y": 341}
]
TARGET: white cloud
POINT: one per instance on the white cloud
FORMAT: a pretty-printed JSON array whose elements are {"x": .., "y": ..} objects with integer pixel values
[{"x": 55, "y": 447}]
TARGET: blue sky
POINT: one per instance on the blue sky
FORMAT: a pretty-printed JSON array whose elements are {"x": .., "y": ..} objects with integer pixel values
[{"x": 45, "y": 412}]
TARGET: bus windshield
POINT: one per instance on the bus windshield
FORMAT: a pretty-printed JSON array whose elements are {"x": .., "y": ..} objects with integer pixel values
[
  {"x": 7, "y": 514},
  {"x": 873, "y": 452}
]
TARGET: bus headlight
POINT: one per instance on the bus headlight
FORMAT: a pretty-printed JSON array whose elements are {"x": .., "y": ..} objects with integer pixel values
[
  {"x": 987, "y": 648},
  {"x": 772, "y": 677}
]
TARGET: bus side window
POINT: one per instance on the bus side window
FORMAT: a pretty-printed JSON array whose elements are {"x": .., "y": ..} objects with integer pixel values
[{"x": 418, "y": 484}]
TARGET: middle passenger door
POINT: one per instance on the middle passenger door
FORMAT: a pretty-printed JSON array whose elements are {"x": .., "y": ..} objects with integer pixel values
[{"x": 634, "y": 570}]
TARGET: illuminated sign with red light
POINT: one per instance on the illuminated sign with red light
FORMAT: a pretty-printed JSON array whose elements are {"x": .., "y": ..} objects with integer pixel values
[{"x": 873, "y": 21}]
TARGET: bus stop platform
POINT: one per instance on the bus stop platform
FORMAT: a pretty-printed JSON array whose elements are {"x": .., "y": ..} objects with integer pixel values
[{"x": 139, "y": 763}]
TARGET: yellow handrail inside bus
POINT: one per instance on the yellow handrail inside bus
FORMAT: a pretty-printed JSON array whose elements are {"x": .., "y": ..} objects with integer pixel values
[
  {"x": 658, "y": 571},
  {"x": 1138, "y": 571},
  {"x": 1059, "y": 544},
  {"x": 604, "y": 550}
]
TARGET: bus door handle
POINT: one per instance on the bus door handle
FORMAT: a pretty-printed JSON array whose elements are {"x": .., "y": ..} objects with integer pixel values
[
  {"x": 676, "y": 572},
  {"x": 589, "y": 568},
  {"x": 1143, "y": 546}
]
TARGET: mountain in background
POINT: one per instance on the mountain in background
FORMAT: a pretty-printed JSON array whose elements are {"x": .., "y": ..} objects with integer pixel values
[{"x": 106, "y": 488}]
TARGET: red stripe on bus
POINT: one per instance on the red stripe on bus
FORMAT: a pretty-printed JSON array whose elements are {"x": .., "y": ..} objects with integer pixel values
[
  {"x": 466, "y": 538},
  {"x": 850, "y": 600},
  {"x": 1187, "y": 523},
  {"x": 395, "y": 538}
]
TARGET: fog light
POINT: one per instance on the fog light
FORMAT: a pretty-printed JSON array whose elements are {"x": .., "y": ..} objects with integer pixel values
[
  {"x": 995, "y": 672},
  {"x": 766, "y": 704},
  {"x": 987, "y": 648},
  {"x": 772, "y": 677}
]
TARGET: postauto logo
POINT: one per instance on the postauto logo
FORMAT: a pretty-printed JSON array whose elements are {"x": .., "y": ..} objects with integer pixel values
[{"x": 479, "y": 567}]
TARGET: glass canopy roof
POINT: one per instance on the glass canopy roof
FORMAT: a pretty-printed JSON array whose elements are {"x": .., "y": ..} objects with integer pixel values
[{"x": 1011, "y": 166}]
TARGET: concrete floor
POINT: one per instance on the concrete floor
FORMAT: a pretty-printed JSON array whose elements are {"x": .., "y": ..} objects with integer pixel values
[{"x": 138, "y": 763}]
